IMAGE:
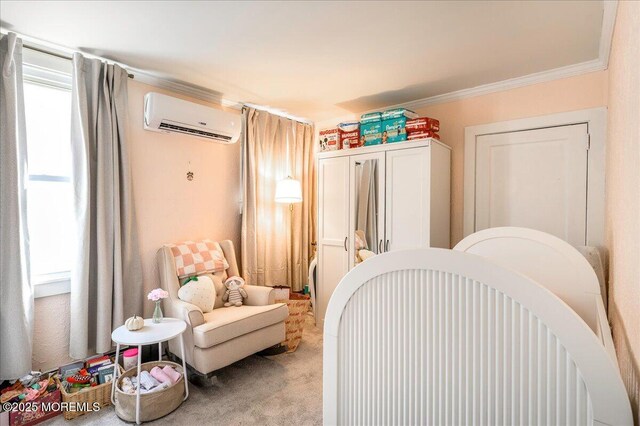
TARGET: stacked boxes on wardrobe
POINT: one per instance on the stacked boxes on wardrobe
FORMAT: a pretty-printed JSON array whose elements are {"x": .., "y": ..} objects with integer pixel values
[
  {"x": 423, "y": 127},
  {"x": 349, "y": 134},
  {"x": 394, "y": 123},
  {"x": 371, "y": 128},
  {"x": 375, "y": 128}
]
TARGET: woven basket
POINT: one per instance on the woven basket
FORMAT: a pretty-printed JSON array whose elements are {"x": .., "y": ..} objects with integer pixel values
[
  {"x": 152, "y": 405},
  {"x": 298, "y": 305},
  {"x": 100, "y": 394}
]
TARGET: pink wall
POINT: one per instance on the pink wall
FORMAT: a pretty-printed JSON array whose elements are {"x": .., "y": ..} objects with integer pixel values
[
  {"x": 169, "y": 208},
  {"x": 623, "y": 195},
  {"x": 568, "y": 94}
]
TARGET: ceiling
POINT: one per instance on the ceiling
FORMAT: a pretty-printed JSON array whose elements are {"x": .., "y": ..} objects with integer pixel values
[{"x": 322, "y": 59}]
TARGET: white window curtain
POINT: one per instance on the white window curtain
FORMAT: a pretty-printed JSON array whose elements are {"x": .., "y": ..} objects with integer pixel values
[
  {"x": 276, "y": 242},
  {"x": 106, "y": 283},
  {"x": 16, "y": 296}
]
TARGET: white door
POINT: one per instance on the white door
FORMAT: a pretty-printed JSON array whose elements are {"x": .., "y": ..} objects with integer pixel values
[
  {"x": 407, "y": 198},
  {"x": 333, "y": 227},
  {"x": 534, "y": 179},
  {"x": 366, "y": 213}
]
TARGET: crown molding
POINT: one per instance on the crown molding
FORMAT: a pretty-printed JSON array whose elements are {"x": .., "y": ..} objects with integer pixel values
[
  {"x": 606, "y": 35},
  {"x": 610, "y": 8},
  {"x": 185, "y": 89},
  {"x": 512, "y": 83},
  {"x": 601, "y": 63}
]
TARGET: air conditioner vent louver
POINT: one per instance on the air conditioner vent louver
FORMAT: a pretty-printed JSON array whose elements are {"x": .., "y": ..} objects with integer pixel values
[
  {"x": 166, "y": 114},
  {"x": 195, "y": 132}
]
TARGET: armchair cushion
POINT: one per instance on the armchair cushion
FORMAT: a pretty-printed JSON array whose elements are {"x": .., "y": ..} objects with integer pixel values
[
  {"x": 224, "y": 324},
  {"x": 259, "y": 295},
  {"x": 188, "y": 312}
]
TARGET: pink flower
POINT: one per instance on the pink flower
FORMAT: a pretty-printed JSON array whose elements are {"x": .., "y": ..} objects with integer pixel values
[{"x": 157, "y": 294}]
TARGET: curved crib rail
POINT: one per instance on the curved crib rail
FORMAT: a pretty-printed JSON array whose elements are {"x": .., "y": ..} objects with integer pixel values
[
  {"x": 441, "y": 337},
  {"x": 552, "y": 263},
  {"x": 547, "y": 259}
]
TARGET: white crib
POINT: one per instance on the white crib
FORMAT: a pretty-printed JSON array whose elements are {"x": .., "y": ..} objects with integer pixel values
[{"x": 446, "y": 337}]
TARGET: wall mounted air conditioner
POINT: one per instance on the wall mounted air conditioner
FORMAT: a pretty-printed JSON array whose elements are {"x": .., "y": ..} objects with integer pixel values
[{"x": 167, "y": 114}]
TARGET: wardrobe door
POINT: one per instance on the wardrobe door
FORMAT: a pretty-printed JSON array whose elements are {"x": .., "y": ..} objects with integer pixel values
[
  {"x": 333, "y": 227},
  {"x": 407, "y": 198},
  {"x": 366, "y": 213}
]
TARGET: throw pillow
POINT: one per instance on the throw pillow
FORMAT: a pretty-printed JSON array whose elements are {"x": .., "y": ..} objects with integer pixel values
[{"x": 201, "y": 293}]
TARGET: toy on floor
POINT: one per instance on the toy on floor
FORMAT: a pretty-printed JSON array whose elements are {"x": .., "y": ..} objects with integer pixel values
[
  {"x": 82, "y": 378},
  {"x": 235, "y": 293}
]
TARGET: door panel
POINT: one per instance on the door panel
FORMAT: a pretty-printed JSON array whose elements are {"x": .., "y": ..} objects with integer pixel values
[
  {"x": 534, "y": 179},
  {"x": 407, "y": 198},
  {"x": 331, "y": 270},
  {"x": 333, "y": 227},
  {"x": 366, "y": 218}
]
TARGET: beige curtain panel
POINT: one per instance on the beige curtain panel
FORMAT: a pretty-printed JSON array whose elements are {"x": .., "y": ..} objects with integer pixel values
[
  {"x": 16, "y": 296},
  {"x": 106, "y": 283},
  {"x": 276, "y": 242}
]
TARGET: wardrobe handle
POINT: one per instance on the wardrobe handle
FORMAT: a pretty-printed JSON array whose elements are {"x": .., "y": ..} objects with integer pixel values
[
  {"x": 386, "y": 246},
  {"x": 379, "y": 246},
  {"x": 345, "y": 244}
]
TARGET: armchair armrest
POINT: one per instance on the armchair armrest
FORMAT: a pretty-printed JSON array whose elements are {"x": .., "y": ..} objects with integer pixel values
[
  {"x": 188, "y": 312},
  {"x": 259, "y": 295}
]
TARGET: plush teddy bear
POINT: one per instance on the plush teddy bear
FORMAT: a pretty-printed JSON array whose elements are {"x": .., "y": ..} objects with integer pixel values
[{"x": 235, "y": 293}]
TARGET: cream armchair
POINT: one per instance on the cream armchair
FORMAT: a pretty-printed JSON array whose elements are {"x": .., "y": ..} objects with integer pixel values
[{"x": 227, "y": 334}]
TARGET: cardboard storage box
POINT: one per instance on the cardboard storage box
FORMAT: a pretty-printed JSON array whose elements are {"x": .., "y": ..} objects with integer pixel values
[
  {"x": 349, "y": 134},
  {"x": 423, "y": 124},
  {"x": 371, "y": 133},
  {"x": 38, "y": 415},
  {"x": 398, "y": 113},
  {"x": 370, "y": 117},
  {"x": 394, "y": 130},
  {"x": 423, "y": 135},
  {"x": 329, "y": 140}
]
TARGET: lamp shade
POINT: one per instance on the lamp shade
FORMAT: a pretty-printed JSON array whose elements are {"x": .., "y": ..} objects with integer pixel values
[{"x": 288, "y": 191}]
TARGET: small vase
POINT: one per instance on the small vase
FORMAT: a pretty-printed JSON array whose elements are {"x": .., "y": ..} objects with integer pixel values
[{"x": 157, "y": 313}]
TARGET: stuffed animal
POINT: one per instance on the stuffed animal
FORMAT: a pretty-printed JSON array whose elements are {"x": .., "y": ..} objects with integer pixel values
[
  {"x": 365, "y": 254},
  {"x": 235, "y": 293}
]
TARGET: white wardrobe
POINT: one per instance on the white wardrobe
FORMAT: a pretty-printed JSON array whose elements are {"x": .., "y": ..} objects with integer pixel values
[{"x": 377, "y": 199}]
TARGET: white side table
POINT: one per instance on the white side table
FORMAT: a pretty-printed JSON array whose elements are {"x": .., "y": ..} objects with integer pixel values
[{"x": 150, "y": 334}]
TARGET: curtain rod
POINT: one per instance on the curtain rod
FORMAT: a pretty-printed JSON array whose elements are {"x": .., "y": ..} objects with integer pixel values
[
  {"x": 61, "y": 56},
  {"x": 66, "y": 53},
  {"x": 277, "y": 112},
  {"x": 57, "y": 51}
]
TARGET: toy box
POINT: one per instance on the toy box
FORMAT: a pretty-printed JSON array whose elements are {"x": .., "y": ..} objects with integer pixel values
[
  {"x": 423, "y": 124},
  {"x": 329, "y": 140},
  {"x": 371, "y": 133},
  {"x": 394, "y": 130},
  {"x": 349, "y": 134},
  {"x": 423, "y": 135},
  {"x": 40, "y": 409},
  {"x": 398, "y": 113}
]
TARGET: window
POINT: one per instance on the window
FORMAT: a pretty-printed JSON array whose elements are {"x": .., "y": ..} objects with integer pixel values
[{"x": 50, "y": 208}]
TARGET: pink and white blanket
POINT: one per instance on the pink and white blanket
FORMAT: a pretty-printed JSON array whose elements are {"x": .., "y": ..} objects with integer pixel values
[{"x": 198, "y": 257}]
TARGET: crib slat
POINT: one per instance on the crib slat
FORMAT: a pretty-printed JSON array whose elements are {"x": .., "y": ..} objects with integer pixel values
[{"x": 450, "y": 350}]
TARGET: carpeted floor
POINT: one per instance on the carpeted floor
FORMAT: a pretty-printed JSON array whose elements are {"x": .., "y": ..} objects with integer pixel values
[{"x": 284, "y": 389}]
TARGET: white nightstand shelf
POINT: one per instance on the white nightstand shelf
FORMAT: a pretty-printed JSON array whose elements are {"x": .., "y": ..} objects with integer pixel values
[{"x": 150, "y": 334}]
